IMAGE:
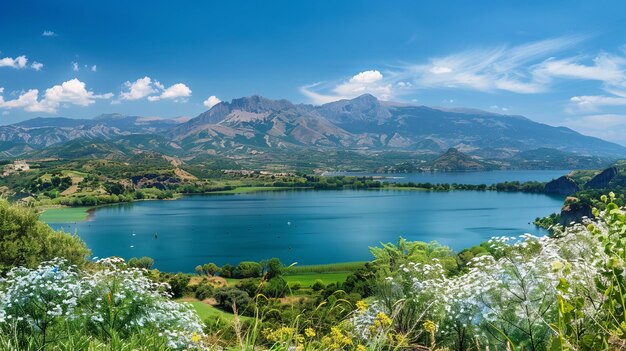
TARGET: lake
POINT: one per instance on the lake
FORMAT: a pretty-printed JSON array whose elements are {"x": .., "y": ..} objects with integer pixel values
[
  {"x": 475, "y": 178},
  {"x": 308, "y": 227}
]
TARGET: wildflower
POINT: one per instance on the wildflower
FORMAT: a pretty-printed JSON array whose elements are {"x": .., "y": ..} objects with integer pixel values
[
  {"x": 195, "y": 338},
  {"x": 361, "y": 305},
  {"x": 430, "y": 326},
  {"x": 557, "y": 266},
  {"x": 309, "y": 332}
]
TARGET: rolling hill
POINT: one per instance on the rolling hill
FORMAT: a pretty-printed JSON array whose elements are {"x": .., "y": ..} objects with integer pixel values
[{"x": 257, "y": 129}]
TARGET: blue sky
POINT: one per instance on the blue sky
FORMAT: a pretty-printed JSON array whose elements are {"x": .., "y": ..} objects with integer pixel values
[{"x": 557, "y": 62}]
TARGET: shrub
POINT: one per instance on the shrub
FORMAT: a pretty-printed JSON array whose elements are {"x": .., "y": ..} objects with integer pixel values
[
  {"x": 204, "y": 291},
  {"x": 25, "y": 241},
  {"x": 276, "y": 287},
  {"x": 43, "y": 308},
  {"x": 144, "y": 262},
  {"x": 230, "y": 298},
  {"x": 318, "y": 285},
  {"x": 248, "y": 270}
]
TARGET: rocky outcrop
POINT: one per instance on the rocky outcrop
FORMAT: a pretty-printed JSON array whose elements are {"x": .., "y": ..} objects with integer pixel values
[
  {"x": 602, "y": 180},
  {"x": 574, "y": 211},
  {"x": 562, "y": 186},
  {"x": 454, "y": 160}
]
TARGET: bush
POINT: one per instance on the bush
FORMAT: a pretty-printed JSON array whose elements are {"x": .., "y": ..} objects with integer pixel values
[
  {"x": 25, "y": 241},
  {"x": 318, "y": 285},
  {"x": 56, "y": 305},
  {"x": 229, "y": 298},
  {"x": 204, "y": 291},
  {"x": 144, "y": 262},
  {"x": 275, "y": 287},
  {"x": 248, "y": 270}
]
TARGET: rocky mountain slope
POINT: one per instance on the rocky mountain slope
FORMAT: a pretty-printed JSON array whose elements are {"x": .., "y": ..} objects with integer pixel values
[{"x": 252, "y": 126}]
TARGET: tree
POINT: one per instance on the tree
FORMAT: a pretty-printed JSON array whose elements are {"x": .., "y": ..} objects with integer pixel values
[
  {"x": 273, "y": 268},
  {"x": 144, "y": 262},
  {"x": 227, "y": 271},
  {"x": 248, "y": 269},
  {"x": 229, "y": 298},
  {"x": 210, "y": 268},
  {"x": 178, "y": 284},
  {"x": 25, "y": 241}
]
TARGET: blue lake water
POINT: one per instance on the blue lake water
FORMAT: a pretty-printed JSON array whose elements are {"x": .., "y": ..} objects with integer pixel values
[
  {"x": 308, "y": 227},
  {"x": 487, "y": 177}
]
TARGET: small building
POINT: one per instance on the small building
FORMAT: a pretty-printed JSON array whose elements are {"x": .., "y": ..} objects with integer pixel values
[{"x": 16, "y": 166}]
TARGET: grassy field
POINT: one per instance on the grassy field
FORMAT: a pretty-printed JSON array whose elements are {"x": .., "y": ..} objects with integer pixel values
[
  {"x": 64, "y": 214},
  {"x": 306, "y": 280},
  {"x": 325, "y": 268},
  {"x": 206, "y": 311}
]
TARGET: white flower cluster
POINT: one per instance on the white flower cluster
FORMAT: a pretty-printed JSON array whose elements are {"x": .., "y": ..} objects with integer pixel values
[
  {"x": 513, "y": 291},
  {"x": 111, "y": 297}
]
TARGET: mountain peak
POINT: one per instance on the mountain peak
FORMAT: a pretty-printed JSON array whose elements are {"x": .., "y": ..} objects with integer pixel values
[
  {"x": 366, "y": 98},
  {"x": 258, "y": 104}
]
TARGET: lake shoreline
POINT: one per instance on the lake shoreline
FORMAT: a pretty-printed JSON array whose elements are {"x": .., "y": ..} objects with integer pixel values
[
  {"x": 309, "y": 227},
  {"x": 84, "y": 213}
]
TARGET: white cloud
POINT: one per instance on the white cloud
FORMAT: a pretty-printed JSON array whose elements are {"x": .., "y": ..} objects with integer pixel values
[
  {"x": 75, "y": 66},
  {"x": 94, "y": 68},
  {"x": 366, "y": 82},
  {"x": 211, "y": 101},
  {"x": 139, "y": 89},
  {"x": 37, "y": 66},
  {"x": 72, "y": 92},
  {"x": 177, "y": 92},
  {"x": 18, "y": 62},
  {"x": 48, "y": 33},
  {"x": 146, "y": 87}
]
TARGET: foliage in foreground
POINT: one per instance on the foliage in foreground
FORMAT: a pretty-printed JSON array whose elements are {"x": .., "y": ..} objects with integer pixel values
[
  {"x": 57, "y": 306},
  {"x": 26, "y": 241},
  {"x": 565, "y": 292}
]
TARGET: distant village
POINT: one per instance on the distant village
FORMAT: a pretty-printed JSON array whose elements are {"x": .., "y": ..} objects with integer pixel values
[{"x": 16, "y": 166}]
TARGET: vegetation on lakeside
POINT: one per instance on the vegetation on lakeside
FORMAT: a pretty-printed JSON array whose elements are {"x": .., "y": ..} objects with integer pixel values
[
  {"x": 50, "y": 184},
  {"x": 591, "y": 185},
  {"x": 530, "y": 293}
]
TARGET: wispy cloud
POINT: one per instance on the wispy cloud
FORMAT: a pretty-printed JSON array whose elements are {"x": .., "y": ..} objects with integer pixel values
[
  {"x": 522, "y": 69},
  {"x": 73, "y": 92},
  {"x": 48, "y": 33}
]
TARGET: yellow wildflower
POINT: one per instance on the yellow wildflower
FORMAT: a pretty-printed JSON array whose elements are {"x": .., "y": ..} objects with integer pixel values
[
  {"x": 360, "y": 348},
  {"x": 361, "y": 305},
  {"x": 309, "y": 332},
  {"x": 430, "y": 326},
  {"x": 557, "y": 265},
  {"x": 195, "y": 338}
]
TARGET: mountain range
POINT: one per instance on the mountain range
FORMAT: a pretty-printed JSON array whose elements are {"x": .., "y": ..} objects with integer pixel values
[{"x": 248, "y": 127}]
